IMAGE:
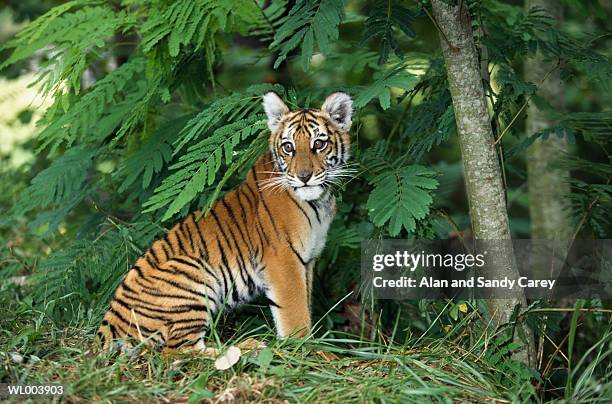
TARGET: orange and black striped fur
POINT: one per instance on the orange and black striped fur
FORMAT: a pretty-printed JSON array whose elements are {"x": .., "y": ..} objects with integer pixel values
[{"x": 262, "y": 237}]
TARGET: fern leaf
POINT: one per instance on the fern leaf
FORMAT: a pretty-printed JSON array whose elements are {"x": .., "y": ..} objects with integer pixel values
[
  {"x": 309, "y": 22},
  {"x": 74, "y": 37},
  {"x": 429, "y": 124},
  {"x": 94, "y": 115},
  {"x": 150, "y": 158},
  {"x": 178, "y": 23},
  {"x": 340, "y": 236},
  {"x": 60, "y": 187},
  {"x": 62, "y": 179},
  {"x": 86, "y": 272},
  {"x": 200, "y": 164},
  {"x": 384, "y": 17},
  {"x": 235, "y": 119},
  {"x": 401, "y": 195},
  {"x": 193, "y": 23},
  {"x": 233, "y": 107},
  {"x": 396, "y": 77},
  {"x": 246, "y": 158},
  {"x": 592, "y": 126},
  {"x": 272, "y": 17}
]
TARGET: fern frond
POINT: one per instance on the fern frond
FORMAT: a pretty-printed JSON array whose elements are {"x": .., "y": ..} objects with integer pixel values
[
  {"x": 193, "y": 23},
  {"x": 61, "y": 180},
  {"x": 245, "y": 158},
  {"x": 309, "y": 22},
  {"x": 59, "y": 188},
  {"x": 401, "y": 194},
  {"x": 71, "y": 38},
  {"x": 150, "y": 157},
  {"x": 178, "y": 24},
  {"x": 381, "y": 22},
  {"x": 401, "y": 197},
  {"x": 544, "y": 134},
  {"x": 85, "y": 273},
  {"x": 592, "y": 126},
  {"x": 199, "y": 166},
  {"x": 444, "y": 127},
  {"x": 272, "y": 17},
  {"x": 512, "y": 32},
  {"x": 341, "y": 236},
  {"x": 232, "y": 120},
  {"x": 397, "y": 77},
  {"x": 591, "y": 202},
  {"x": 355, "y": 61},
  {"x": 233, "y": 107},
  {"x": 96, "y": 114},
  {"x": 429, "y": 124}
]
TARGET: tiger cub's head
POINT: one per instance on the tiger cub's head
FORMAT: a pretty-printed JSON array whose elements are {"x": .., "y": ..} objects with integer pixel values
[{"x": 310, "y": 147}]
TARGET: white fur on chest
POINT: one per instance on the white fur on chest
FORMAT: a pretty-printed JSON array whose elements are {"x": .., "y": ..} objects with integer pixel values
[{"x": 314, "y": 241}]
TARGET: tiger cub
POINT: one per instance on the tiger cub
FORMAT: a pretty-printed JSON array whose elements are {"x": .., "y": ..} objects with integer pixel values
[{"x": 262, "y": 237}]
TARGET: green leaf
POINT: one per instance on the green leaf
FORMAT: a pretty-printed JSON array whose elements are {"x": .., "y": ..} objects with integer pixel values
[
  {"x": 151, "y": 156},
  {"x": 309, "y": 22},
  {"x": 400, "y": 197},
  {"x": 76, "y": 37},
  {"x": 381, "y": 21},
  {"x": 97, "y": 113},
  {"x": 61, "y": 181},
  {"x": 199, "y": 166},
  {"x": 264, "y": 358},
  {"x": 397, "y": 77}
]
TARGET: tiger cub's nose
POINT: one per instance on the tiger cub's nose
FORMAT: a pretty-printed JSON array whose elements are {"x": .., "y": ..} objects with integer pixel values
[{"x": 304, "y": 177}]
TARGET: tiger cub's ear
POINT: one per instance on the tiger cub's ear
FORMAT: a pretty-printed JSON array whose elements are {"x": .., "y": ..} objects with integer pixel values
[
  {"x": 339, "y": 106},
  {"x": 275, "y": 110}
]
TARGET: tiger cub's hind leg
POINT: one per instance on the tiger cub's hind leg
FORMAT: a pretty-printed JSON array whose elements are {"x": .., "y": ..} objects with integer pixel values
[
  {"x": 189, "y": 296},
  {"x": 187, "y": 335}
]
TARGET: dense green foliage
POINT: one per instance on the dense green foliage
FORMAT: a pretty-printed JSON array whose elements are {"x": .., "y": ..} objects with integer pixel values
[{"x": 155, "y": 110}]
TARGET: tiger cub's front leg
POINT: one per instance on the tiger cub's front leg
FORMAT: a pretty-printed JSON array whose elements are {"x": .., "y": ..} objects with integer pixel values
[{"x": 286, "y": 287}]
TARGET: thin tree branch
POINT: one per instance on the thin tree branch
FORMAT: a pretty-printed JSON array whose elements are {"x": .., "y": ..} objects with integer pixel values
[
  {"x": 507, "y": 128},
  {"x": 435, "y": 23}
]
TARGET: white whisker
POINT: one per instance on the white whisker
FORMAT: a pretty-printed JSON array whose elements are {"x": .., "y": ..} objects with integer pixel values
[{"x": 272, "y": 184}]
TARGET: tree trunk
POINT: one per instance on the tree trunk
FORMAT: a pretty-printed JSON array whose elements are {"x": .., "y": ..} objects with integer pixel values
[
  {"x": 547, "y": 185},
  {"x": 481, "y": 167}
]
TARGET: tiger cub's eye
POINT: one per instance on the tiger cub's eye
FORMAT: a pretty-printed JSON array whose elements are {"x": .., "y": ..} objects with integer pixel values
[
  {"x": 320, "y": 144},
  {"x": 287, "y": 147}
]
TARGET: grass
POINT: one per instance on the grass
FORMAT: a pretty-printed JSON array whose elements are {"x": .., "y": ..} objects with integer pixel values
[
  {"x": 334, "y": 368},
  {"x": 298, "y": 370}
]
